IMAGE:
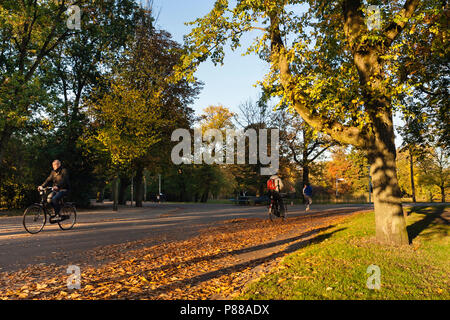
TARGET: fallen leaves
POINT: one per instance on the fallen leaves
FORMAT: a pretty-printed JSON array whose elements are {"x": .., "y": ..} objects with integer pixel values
[{"x": 206, "y": 266}]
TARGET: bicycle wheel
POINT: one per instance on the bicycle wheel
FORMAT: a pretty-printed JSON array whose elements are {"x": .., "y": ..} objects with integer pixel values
[
  {"x": 273, "y": 213},
  {"x": 34, "y": 219},
  {"x": 69, "y": 215},
  {"x": 284, "y": 212}
]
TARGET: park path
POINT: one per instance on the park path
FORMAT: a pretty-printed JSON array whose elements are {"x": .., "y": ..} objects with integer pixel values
[
  {"x": 214, "y": 262},
  {"x": 130, "y": 227}
]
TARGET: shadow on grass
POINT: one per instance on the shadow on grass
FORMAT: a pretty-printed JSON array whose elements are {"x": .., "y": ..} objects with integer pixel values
[
  {"x": 293, "y": 244},
  {"x": 247, "y": 264},
  {"x": 430, "y": 215}
]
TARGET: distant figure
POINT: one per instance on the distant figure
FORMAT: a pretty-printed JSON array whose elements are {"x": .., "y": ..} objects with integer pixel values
[
  {"x": 274, "y": 186},
  {"x": 307, "y": 193}
]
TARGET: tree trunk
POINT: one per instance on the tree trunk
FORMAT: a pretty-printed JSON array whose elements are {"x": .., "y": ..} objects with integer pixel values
[
  {"x": 305, "y": 174},
  {"x": 411, "y": 166},
  {"x": 115, "y": 192},
  {"x": 124, "y": 183},
  {"x": 390, "y": 222},
  {"x": 205, "y": 196},
  {"x": 4, "y": 139},
  {"x": 139, "y": 186},
  {"x": 442, "y": 193}
]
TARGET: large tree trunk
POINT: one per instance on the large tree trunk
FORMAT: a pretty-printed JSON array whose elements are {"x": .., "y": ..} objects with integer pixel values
[
  {"x": 389, "y": 217},
  {"x": 442, "y": 193}
]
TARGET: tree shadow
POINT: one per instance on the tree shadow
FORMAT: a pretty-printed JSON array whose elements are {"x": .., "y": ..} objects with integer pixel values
[
  {"x": 239, "y": 251},
  {"x": 430, "y": 215},
  {"x": 247, "y": 264}
]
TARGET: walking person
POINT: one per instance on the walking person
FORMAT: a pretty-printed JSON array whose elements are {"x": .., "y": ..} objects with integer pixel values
[{"x": 307, "y": 193}]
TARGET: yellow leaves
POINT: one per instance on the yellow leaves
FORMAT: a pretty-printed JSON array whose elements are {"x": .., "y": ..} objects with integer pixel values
[
  {"x": 63, "y": 293},
  {"x": 135, "y": 290},
  {"x": 74, "y": 295},
  {"x": 174, "y": 270},
  {"x": 281, "y": 280},
  {"x": 302, "y": 277},
  {"x": 41, "y": 286}
]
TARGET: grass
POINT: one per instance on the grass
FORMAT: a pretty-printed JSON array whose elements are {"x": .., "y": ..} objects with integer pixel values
[{"x": 335, "y": 266}]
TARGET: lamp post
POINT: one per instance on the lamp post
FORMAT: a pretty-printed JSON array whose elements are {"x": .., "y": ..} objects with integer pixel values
[
  {"x": 370, "y": 186},
  {"x": 131, "y": 190}
]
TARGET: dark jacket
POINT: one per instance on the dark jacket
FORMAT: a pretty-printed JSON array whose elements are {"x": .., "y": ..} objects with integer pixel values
[
  {"x": 308, "y": 191},
  {"x": 60, "y": 179}
]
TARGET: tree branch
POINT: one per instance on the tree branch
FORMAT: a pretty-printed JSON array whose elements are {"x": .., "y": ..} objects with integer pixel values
[
  {"x": 395, "y": 28},
  {"x": 339, "y": 132}
]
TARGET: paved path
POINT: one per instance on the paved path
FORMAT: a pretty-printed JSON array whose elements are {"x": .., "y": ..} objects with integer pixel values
[{"x": 103, "y": 227}]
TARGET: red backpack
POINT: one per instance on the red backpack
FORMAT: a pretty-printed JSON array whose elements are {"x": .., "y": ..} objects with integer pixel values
[{"x": 271, "y": 184}]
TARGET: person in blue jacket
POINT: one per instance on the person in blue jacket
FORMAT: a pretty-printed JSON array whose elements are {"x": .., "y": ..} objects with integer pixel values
[{"x": 307, "y": 193}]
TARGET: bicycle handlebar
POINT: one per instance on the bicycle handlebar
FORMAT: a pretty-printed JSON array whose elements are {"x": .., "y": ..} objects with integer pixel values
[{"x": 46, "y": 188}]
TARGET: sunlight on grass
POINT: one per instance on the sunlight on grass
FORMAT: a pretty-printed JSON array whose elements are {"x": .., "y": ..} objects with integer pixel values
[{"x": 336, "y": 267}]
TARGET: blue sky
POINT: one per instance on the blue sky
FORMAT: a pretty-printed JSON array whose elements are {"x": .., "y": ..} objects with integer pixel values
[{"x": 230, "y": 84}]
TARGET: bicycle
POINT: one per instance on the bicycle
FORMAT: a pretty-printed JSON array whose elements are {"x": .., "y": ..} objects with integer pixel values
[
  {"x": 274, "y": 210},
  {"x": 35, "y": 216}
]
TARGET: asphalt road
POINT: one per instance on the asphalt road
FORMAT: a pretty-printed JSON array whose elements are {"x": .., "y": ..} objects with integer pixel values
[
  {"x": 132, "y": 227},
  {"x": 152, "y": 224}
]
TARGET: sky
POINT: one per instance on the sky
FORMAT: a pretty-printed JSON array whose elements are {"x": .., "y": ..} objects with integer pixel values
[{"x": 230, "y": 84}]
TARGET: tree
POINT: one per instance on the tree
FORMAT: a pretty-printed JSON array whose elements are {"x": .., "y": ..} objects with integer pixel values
[
  {"x": 254, "y": 116},
  {"x": 436, "y": 170},
  {"x": 211, "y": 177},
  {"x": 303, "y": 145},
  {"x": 29, "y": 32},
  {"x": 415, "y": 140},
  {"x": 351, "y": 76},
  {"x": 136, "y": 109}
]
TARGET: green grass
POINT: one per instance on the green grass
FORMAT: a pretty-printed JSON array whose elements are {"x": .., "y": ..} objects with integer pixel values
[{"x": 335, "y": 266}]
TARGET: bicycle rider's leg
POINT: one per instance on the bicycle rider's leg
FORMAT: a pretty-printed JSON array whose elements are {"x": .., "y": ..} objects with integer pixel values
[
  {"x": 282, "y": 207},
  {"x": 56, "y": 200},
  {"x": 279, "y": 201},
  {"x": 50, "y": 197}
]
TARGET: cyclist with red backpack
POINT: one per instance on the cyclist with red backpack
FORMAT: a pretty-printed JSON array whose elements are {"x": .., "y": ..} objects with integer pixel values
[{"x": 274, "y": 186}]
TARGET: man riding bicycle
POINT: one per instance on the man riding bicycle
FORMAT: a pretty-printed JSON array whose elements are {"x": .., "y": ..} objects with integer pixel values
[
  {"x": 60, "y": 179},
  {"x": 274, "y": 186}
]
